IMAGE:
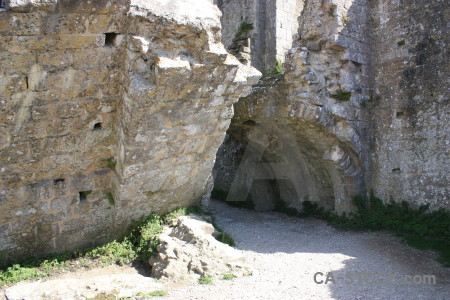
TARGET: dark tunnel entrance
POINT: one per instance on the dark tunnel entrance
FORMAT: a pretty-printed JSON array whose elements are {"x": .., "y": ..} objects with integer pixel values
[{"x": 267, "y": 163}]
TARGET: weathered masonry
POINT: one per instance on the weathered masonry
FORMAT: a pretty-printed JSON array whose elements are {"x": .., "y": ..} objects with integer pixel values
[
  {"x": 274, "y": 23},
  {"x": 363, "y": 105},
  {"x": 112, "y": 109},
  {"x": 109, "y": 110}
]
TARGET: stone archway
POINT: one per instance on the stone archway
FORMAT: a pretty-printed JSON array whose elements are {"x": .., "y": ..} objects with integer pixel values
[{"x": 278, "y": 149}]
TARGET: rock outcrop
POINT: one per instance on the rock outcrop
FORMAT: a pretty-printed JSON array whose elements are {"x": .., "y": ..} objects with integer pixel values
[
  {"x": 110, "y": 110},
  {"x": 189, "y": 251}
]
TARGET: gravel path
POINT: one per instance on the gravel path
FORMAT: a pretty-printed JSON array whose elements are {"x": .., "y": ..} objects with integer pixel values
[{"x": 286, "y": 253}]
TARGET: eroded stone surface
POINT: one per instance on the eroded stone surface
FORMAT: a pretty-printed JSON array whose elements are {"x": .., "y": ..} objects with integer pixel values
[
  {"x": 364, "y": 96},
  {"x": 110, "y": 110},
  {"x": 189, "y": 250},
  {"x": 317, "y": 138}
]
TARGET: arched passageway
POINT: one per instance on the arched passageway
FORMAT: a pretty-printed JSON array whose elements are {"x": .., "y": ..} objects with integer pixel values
[{"x": 286, "y": 153}]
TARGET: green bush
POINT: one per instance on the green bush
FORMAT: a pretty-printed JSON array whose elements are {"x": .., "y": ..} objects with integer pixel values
[
  {"x": 244, "y": 27},
  {"x": 110, "y": 163},
  {"x": 110, "y": 197},
  {"x": 16, "y": 273},
  {"x": 157, "y": 293}
]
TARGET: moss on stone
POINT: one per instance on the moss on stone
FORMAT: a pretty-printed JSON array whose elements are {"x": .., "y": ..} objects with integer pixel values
[{"x": 341, "y": 96}]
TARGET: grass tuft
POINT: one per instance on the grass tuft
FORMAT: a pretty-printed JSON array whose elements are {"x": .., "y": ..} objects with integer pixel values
[
  {"x": 228, "y": 276},
  {"x": 277, "y": 69},
  {"x": 225, "y": 238},
  {"x": 206, "y": 279},
  {"x": 157, "y": 293},
  {"x": 110, "y": 197}
]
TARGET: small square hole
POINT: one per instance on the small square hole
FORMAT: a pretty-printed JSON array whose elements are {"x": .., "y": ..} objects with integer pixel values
[
  {"x": 401, "y": 43},
  {"x": 110, "y": 39},
  {"x": 399, "y": 114},
  {"x": 97, "y": 126},
  {"x": 83, "y": 195},
  {"x": 58, "y": 181},
  {"x": 396, "y": 170}
]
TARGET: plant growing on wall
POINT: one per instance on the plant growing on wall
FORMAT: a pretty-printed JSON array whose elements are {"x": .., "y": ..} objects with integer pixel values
[
  {"x": 277, "y": 69},
  {"x": 244, "y": 28},
  {"x": 345, "y": 19},
  {"x": 341, "y": 96}
]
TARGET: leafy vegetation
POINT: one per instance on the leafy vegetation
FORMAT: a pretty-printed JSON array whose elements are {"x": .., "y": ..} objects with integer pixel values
[
  {"x": 244, "y": 27},
  {"x": 277, "y": 69},
  {"x": 419, "y": 227},
  {"x": 17, "y": 273},
  {"x": 84, "y": 194},
  {"x": 206, "y": 279},
  {"x": 136, "y": 247}
]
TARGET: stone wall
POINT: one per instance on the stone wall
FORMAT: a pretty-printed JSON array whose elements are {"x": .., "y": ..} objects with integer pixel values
[
  {"x": 60, "y": 89},
  {"x": 306, "y": 105},
  {"x": 116, "y": 108},
  {"x": 286, "y": 27},
  {"x": 411, "y": 112},
  {"x": 365, "y": 94},
  {"x": 274, "y": 21},
  {"x": 109, "y": 111},
  {"x": 234, "y": 12}
]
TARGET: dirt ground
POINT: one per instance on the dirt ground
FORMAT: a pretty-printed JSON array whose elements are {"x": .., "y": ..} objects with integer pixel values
[{"x": 287, "y": 253}]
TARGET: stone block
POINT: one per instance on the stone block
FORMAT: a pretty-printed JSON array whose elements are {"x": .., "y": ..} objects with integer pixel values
[
  {"x": 53, "y": 60},
  {"x": 72, "y": 23},
  {"x": 12, "y": 63},
  {"x": 79, "y": 41},
  {"x": 25, "y": 24},
  {"x": 63, "y": 204}
]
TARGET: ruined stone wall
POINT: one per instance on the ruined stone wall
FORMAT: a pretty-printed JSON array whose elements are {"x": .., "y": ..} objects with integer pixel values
[
  {"x": 234, "y": 12},
  {"x": 286, "y": 24},
  {"x": 319, "y": 103},
  {"x": 411, "y": 112},
  {"x": 274, "y": 21},
  {"x": 109, "y": 110},
  {"x": 365, "y": 93},
  {"x": 59, "y": 91}
]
